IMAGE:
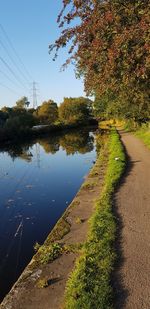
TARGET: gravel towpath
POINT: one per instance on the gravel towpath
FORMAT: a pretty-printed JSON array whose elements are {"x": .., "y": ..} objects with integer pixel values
[{"x": 132, "y": 205}]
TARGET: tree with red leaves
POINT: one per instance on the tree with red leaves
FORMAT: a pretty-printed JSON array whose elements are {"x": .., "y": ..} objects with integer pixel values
[{"x": 109, "y": 44}]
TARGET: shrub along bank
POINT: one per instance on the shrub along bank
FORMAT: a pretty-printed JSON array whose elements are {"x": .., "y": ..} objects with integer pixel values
[
  {"x": 18, "y": 135},
  {"x": 89, "y": 284},
  {"x": 144, "y": 134}
]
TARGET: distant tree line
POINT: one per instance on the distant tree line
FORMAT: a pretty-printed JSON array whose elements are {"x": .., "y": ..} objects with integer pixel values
[{"x": 17, "y": 121}]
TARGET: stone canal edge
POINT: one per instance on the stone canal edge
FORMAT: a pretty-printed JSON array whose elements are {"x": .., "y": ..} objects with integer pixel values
[{"x": 42, "y": 285}]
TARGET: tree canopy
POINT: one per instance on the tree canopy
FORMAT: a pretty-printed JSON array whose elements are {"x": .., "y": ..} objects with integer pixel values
[
  {"x": 109, "y": 45},
  {"x": 22, "y": 103},
  {"x": 48, "y": 112},
  {"x": 75, "y": 110}
]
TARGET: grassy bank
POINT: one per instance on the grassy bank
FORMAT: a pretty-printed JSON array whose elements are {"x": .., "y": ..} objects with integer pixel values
[
  {"x": 89, "y": 284},
  {"x": 56, "y": 257},
  {"x": 144, "y": 134}
]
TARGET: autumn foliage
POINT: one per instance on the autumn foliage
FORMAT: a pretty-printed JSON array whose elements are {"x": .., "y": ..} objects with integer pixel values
[
  {"x": 75, "y": 110},
  {"x": 47, "y": 112},
  {"x": 109, "y": 43}
]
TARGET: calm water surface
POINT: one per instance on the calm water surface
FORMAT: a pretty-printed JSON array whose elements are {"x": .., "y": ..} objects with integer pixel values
[{"x": 37, "y": 182}]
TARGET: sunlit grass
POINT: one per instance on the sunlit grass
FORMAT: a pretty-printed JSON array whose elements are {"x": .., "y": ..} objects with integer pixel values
[
  {"x": 89, "y": 284},
  {"x": 106, "y": 124},
  {"x": 144, "y": 135}
]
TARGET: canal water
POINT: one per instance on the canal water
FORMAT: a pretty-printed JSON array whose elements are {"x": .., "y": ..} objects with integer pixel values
[{"x": 38, "y": 180}]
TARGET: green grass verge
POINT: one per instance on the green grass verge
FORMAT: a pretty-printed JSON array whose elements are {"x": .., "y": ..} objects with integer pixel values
[
  {"x": 89, "y": 284},
  {"x": 144, "y": 135}
]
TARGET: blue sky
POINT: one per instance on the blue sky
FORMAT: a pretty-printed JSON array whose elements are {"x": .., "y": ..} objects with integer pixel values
[{"x": 31, "y": 27}]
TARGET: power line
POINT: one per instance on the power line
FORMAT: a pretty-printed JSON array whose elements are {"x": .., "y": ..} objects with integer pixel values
[
  {"x": 12, "y": 60},
  {"x": 12, "y": 72},
  {"x": 15, "y": 52},
  {"x": 11, "y": 80},
  {"x": 10, "y": 89}
]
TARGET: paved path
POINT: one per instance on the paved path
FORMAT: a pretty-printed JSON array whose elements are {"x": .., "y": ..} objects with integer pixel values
[{"x": 132, "y": 276}]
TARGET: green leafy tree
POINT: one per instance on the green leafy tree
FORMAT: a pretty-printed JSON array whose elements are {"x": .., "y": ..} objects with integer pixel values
[
  {"x": 7, "y": 112},
  {"x": 3, "y": 117},
  {"x": 75, "y": 110},
  {"x": 22, "y": 103},
  {"x": 102, "y": 105},
  {"x": 48, "y": 112},
  {"x": 22, "y": 121}
]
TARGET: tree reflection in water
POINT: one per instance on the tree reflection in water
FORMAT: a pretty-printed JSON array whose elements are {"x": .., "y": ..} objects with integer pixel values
[{"x": 76, "y": 141}]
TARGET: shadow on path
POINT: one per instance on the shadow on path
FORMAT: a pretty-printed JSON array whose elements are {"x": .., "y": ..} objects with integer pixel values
[
  {"x": 120, "y": 293},
  {"x": 53, "y": 281}
]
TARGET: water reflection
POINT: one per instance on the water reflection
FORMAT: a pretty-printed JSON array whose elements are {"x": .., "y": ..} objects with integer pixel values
[
  {"x": 38, "y": 179},
  {"x": 77, "y": 142},
  {"x": 51, "y": 145},
  {"x": 73, "y": 142}
]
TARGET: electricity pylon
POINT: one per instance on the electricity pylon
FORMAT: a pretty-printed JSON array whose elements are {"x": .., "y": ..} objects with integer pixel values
[{"x": 34, "y": 95}]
